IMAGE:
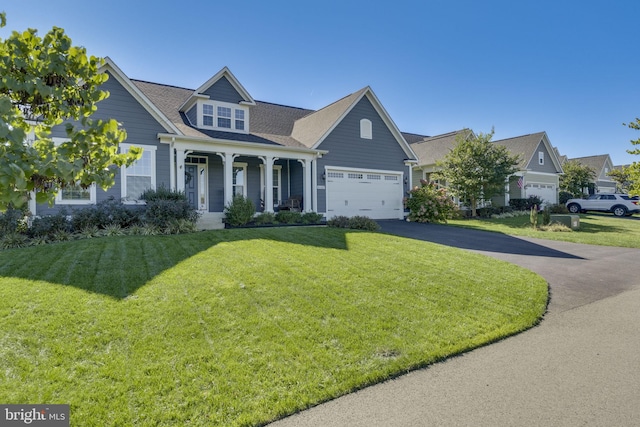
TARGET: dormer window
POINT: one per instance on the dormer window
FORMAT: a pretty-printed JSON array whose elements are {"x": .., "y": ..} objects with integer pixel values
[{"x": 222, "y": 116}]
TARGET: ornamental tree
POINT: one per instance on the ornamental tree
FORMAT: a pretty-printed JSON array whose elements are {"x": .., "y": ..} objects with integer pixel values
[
  {"x": 476, "y": 169},
  {"x": 633, "y": 170},
  {"x": 576, "y": 177},
  {"x": 47, "y": 82}
]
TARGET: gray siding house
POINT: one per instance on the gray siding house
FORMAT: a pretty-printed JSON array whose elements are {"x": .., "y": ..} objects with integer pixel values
[
  {"x": 601, "y": 165},
  {"x": 216, "y": 141}
]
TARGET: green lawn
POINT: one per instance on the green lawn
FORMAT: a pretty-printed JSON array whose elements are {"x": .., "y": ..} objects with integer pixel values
[
  {"x": 240, "y": 327},
  {"x": 602, "y": 229}
]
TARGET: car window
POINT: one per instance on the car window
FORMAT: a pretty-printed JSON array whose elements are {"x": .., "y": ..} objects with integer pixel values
[
  {"x": 630, "y": 198},
  {"x": 611, "y": 197},
  {"x": 593, "y": 197}
]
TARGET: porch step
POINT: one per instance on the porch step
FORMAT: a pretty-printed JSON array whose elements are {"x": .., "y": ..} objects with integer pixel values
[{"x": 210, "y": 221}]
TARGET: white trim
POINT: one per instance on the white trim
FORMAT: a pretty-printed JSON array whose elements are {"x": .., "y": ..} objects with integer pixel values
[
  {"x": 348, "y": 169},
  {"x": 91, "y": 201},
  {"x": 123, "y": 170}
]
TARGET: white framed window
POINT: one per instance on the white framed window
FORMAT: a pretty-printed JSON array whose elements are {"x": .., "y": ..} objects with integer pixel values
[
  {"x": 76, "y": 195},
  {"x": 207, "y": 114},
  {"x": 141, "y": 175},
  {"x": 239, "y": 119},
  {"x": 366, "y": 131},
  {"x": 541, "y": 157},
  {"x": 239, "y": 179},
  {"x": 223, "y": 116}
]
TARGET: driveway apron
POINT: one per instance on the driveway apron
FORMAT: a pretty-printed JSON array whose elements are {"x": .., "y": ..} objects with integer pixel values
[{"x": 579, "y": 367}]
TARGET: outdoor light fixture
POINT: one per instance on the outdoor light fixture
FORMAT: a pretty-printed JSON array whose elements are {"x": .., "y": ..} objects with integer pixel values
[{"x": 324, "y": 176}]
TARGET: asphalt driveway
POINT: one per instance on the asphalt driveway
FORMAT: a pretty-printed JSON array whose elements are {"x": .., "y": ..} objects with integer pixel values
[{"x": 579, "y": 367}]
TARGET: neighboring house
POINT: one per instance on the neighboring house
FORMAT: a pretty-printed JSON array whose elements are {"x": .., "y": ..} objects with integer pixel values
[
  {"x": 430, "y": 150},
  {"x": 601, "y": 165},
  {"x": 216, "y": 141},
  {"x": 539, "y": 169}
]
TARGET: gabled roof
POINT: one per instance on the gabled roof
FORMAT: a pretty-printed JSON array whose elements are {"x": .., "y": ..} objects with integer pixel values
[
  {"x": 525, "y": 146},
  {"x": 312, "y": 129},
  {"x": 597, "y": 163},
  {"x": 431, "y": 149},
  {"x": 142, "y": 99},
  {"x": 226, "y": 73}
]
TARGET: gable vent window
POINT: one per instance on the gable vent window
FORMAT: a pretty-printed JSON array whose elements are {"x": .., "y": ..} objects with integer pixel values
[
  {"x": 541, "y": 158},
  {"x": 366, "y": 131}
]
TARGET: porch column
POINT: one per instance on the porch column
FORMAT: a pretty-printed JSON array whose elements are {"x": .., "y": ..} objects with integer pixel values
[
  {"x": 314, "y": 184},
  {"x": 180, "y": 155},
  {"x": 228, "y": 178},
  {"x": 306, "y": 195},
  {"x": 268, "y": 183}
]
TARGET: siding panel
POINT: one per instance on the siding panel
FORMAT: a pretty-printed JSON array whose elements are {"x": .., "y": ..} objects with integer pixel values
[{"x": 222, "y": 90}]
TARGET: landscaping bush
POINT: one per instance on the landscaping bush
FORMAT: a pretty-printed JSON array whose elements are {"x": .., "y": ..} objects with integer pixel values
[
  {"x": 50, "y": 226},
  {"x": 165, "y": 208},
  {"x": 525, "y": 204},
  {"x": 13, "y": 221},
  {"x": 363, "y": 223},
  {"x": 289, "y": 217},
  {"x": 265, "y": 218},
  {"x": 557, "y": 209},
  {"x": 239, "y": 211},
  {"x": 339, "y": 222},
  {"x": 106, "y": 212},
  {"x": 430, "y": 204},
  {"x": 564, "y": 196},
  {"x": 311, "y": 218}
]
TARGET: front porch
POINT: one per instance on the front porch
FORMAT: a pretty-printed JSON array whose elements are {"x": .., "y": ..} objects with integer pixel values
[{"x": 211, "y": 173}]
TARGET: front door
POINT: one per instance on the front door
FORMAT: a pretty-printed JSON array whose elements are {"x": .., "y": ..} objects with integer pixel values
[{"x": 195, "y": 182}]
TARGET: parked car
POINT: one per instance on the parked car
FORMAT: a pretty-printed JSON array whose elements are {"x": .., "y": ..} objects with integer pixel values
[{"x": 618, "y": 204}]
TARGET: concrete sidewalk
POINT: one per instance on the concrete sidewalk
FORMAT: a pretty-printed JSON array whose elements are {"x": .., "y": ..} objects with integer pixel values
[{"x": 579, "y": 367}]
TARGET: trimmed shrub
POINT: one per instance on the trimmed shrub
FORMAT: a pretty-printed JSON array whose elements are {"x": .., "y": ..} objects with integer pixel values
[
  {"x": 558, "y": 209},
  {"x": 430, "y": 204},
  {"x": 49, "y": 226},
  {"x": 525, "y": 204},
  {"x": 289, "y": 217},
  {"x": 239, "y": 211},
  {"x": 106, "y": 212},
  {"x": 363, "y": 223},
  {"x": 311, "y": 218},
  {"x": 265, "y": 218},
  {"x": 339, "y": 222},
  {"x": 13, "y": 221},
  {"x": 165, "y": 208}
]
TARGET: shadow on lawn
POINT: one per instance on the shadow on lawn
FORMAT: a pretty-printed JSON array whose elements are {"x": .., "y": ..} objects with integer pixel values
[
  {"x": 467, "y": 238},
  {"x": 118, "y": 266}
]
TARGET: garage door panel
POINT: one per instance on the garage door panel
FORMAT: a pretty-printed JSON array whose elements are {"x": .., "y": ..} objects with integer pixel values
[{"x": 368, "y": 193}]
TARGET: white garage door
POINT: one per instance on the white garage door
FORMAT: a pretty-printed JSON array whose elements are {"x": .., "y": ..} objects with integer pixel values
[
  {"x": 547, "y": 192},
  {"x": 375, "y": 194}
]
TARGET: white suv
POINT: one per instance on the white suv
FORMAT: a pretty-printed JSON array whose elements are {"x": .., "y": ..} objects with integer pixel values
[{"x": 619, "y": 204}]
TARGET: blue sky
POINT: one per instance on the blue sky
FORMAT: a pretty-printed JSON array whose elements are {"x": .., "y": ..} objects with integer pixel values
[{"x": 569, "y": 68}]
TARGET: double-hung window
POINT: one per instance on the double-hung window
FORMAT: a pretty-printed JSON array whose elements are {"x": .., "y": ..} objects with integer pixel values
[
  {"x": 141, "y": 175},
  {"x": 224, "y": 117},
  {"x": 207, "y": 115},
  {"x": 76, "y": 195}
]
